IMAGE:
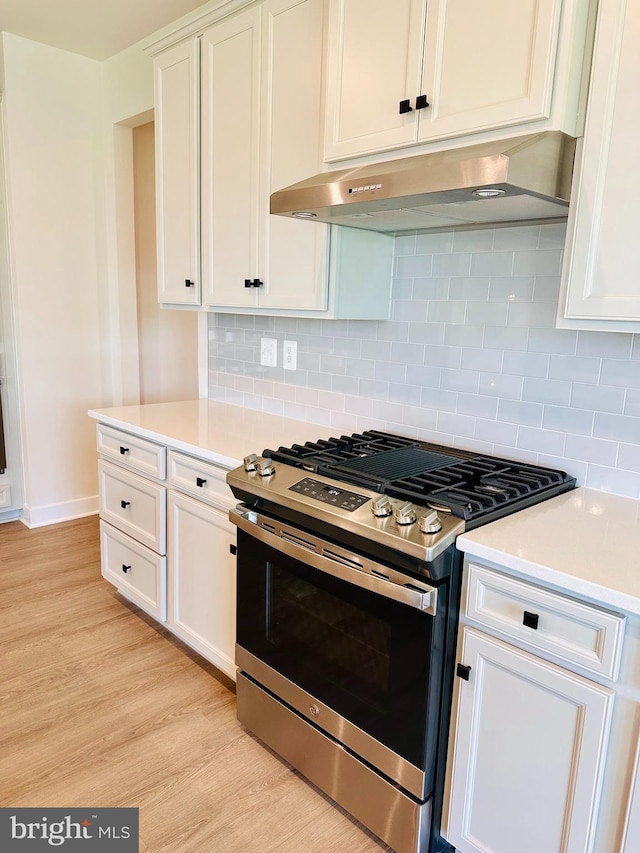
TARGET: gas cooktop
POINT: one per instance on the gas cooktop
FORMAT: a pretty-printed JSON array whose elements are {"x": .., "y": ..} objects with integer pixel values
[{"x": 468, "y": 485}]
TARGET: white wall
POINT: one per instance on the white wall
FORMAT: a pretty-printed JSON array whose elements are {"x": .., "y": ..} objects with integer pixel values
[{"x": 55, "y": 163}]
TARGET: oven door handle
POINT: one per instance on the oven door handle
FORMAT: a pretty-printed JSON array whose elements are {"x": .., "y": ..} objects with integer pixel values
[{"x": 337, "y": 562}]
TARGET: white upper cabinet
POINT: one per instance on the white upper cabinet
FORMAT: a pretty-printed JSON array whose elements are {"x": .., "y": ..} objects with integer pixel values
[
  {"x": 414, "y": 71},
  {"x": 177, "y": 129},
  {"x": 230, "y": 158},
  {"x": 600, "y": 284},
  {"x": 262, "y": 95},
  {"x": 261, "y": 77}
]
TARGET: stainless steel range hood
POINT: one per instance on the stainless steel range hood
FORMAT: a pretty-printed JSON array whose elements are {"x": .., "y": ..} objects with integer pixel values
[{"x": 525, "y": 178}]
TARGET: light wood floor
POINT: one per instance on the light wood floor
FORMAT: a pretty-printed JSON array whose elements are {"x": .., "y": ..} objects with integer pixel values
[{"x": 99, "y": 706}]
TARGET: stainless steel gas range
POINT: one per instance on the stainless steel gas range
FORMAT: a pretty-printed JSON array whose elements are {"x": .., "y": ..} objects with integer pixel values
[{"x": 347, "y": 608}]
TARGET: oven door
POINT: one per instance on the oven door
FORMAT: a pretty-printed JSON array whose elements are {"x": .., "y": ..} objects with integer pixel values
[{"x": 354, "y": 646}]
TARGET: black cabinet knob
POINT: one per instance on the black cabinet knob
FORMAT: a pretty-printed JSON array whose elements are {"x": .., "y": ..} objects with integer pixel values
[
  {"x": 421, "y": 102},
  {"x": 257, "y": 282},
  {"x": 125, "y": 569},
  {"x": 530, "y": 620},
  {"x": 463, "y": 671},
  {"x": 200, "y": 482},
  {"x": 123, "y": 450},
  {"x": 125, "y": 504},
  {"x": 405, "y": 107},
  {"x": 189, "y": 283},
  {"x": 247, "y": 282},
  {"x": 233, "y": 549}
]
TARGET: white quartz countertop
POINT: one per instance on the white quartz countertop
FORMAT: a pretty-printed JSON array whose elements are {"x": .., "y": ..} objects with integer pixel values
[
  {"x": 585, "y": 542},
  {"x": 217, "y": 432}
]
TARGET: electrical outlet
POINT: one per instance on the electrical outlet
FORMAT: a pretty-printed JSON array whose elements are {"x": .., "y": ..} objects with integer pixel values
[
  {"x": 290, "y": 355},
  {"x": 269, "y": 352}
]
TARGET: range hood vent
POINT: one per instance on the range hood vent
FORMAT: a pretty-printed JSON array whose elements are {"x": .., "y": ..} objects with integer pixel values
[{"x": 522, "y": 179}]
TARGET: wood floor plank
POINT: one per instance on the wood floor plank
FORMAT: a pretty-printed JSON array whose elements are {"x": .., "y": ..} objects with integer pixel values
[{"x": 101, "y": 706}]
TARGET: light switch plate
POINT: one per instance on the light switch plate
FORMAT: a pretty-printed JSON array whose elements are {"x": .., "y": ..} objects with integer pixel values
[
  {"x": 290, "y": 355},
  {"x": 269, "y": 352}
]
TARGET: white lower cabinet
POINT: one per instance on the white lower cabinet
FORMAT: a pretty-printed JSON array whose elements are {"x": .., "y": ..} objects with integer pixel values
[
  {"x": 202, "y": 578},
  {"x": 168, "y": 550},
  {"x": 528, "y": 757}
]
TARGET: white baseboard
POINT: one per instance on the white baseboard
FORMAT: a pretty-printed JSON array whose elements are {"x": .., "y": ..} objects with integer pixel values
[{"x": 39, "y": 516}]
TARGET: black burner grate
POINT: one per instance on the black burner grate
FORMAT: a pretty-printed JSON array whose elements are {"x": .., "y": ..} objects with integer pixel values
[{"x": 468, "y": 485}]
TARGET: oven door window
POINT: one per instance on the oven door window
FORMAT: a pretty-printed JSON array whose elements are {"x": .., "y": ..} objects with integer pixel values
[{"x": 371, "y": 659}]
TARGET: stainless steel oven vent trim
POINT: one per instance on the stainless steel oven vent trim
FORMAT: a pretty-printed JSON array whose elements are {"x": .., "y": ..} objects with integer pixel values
[
  {"x": 392, "y": 765},
  {"x": 338, "y": 562}
]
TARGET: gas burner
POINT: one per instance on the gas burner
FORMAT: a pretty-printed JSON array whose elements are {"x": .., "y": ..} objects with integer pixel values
[{"x": 471, "y": 486}]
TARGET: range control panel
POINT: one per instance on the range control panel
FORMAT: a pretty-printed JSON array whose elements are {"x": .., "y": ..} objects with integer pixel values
[{"x": 341, "y": 498}]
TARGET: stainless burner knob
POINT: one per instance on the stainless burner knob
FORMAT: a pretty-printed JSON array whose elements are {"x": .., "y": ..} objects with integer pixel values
[
  {"x": 265, "y": 468},
  {"x": 405, "y": 514},
  {"x": 430, "y": 523},
  {"x": 250, "y": 462},
  {"x": 381, "y": 507}
]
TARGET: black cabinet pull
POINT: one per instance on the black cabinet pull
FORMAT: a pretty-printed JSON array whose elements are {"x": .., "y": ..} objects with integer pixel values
[
  {"x": 125, "y": 569},
  {"x": 463, "y": 671},
  {"x": 530, "y": 620},
  {"x": 188, "y": 283},
  {"x": 255, "y": 283},
  {"x": 125, "y": 504},
  {"x": 200, "y": 482},
  {"x": 405, "y": 107},
  {"x": 247, "y": 282},
  {"x": 233, "y": 549},
  {"x": 421, "y": 102},
  {"x": 123, "y": 450}
]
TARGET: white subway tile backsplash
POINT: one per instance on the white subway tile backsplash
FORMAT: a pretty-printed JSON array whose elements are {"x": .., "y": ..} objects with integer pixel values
[
  {"x": 505, "y": 338},
  {"x": 629, "y": 457},
  {"x": 574, "y": 368},
  {"x": 516, "y": 237},
  {"x": 625, "y": 374},
  {"x": 552, "y": 391},
  {"x": 592, "y": 450},
  {"x": 516, "y": 412},
  {"x": 604, "y": 344},
  {"x": 576, "y": 421},
  {"x": 496, "y": 432},
  {"x": 600, "y": 398},
  {"x": 632, "y": 404},
  {"x": 434, "y": 243},
  {"x": 499, "y": 385},
  {"x": 614, "y": 480},
  {"x": 470, "y": 358},
  {"x": 526, "y": 364},
  {"x": 532, "y": 315},
  {"x": 460, "y": 380},
  {"x": 561, "y": 341},
  {"x": 469, "y": 288},
  {"x": 414, "y": 266},
  {"x": 617, "y": 427},
  {"x": 439, "y": 399},
  {"x": 512, "y": 289},
  {"x": 541, "y": 440}
]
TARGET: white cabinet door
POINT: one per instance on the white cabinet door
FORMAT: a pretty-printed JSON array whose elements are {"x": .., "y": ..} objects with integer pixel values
[
  {"x": 528, "y": 755},
  {"x": 177, "y": 123},
  {"x": 374, "y": 62},
  {"x": 230, "y": 159},
  {"x": 292, "y": 252},
  {"x": 487, "y": 64},
  {"x": 631, "y": 835},
  {"x": 599, "y": 275},
  {"x": 201, "y": 580}
]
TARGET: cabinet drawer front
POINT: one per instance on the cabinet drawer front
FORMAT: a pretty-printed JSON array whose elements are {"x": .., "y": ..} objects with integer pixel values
[
  {"x": 203, "y": 480},
  {"x": 134, "y": 570},
  {"x": 133, "y": 505},
  {"x": 573, "y": 632},
  {"x": 133, "y": 452}
]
